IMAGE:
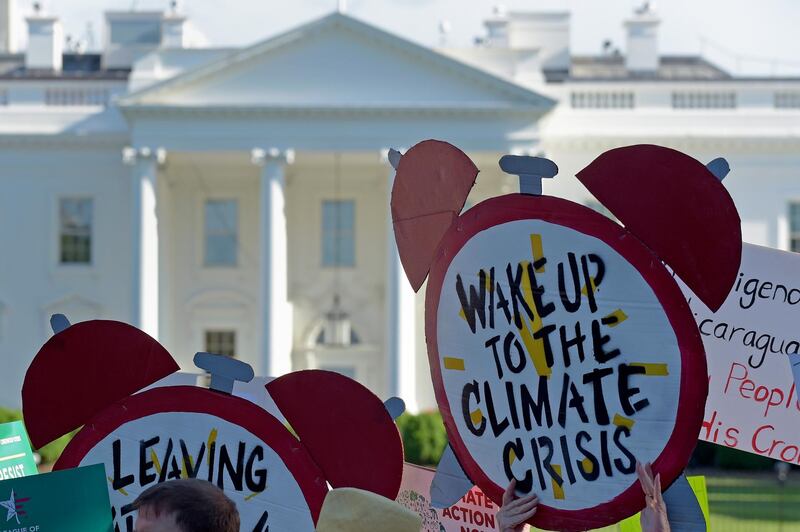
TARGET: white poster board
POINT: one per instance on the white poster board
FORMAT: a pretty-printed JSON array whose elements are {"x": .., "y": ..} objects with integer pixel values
[
  {"x": 559, "y": 362},
  {"x": 171, "y": 445},
  {"x": 475, "y": 512},
  {"x": 752, "y": 401}
]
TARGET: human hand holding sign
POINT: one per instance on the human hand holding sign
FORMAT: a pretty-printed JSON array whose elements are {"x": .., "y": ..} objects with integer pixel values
[
  {"x": 516, "y": 510},
  {"x": 654, "y": 514}
]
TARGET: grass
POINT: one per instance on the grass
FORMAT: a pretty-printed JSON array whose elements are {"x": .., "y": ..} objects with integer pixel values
[
  {"x": 750, "y": 502},
  {"x": 754, "y": 502}
]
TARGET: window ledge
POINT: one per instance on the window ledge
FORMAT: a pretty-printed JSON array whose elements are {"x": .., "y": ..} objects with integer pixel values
[{"x": 75, "y": 270}]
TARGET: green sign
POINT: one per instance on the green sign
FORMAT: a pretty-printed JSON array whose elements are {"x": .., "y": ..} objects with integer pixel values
[
  {"x": 73, "y": 500},
  {"x": 698, "y": 485},
  {"x": 16, "y": 456}
]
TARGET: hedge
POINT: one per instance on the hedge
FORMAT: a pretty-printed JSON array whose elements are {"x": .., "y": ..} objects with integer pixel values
[
  {"x": 711, "y": 455},
  {"x": 424, "y": 437},
  {"x": 49, "y": 452}
]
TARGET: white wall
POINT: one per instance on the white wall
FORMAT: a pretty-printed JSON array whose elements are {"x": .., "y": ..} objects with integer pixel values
[
  {"x": 32, "y": 283},
  {"x": 195, "y": 297},
  {"x": 363, "y": 179}
]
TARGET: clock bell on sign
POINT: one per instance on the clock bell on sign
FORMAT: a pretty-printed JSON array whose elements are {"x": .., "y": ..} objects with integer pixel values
[{"x": 91, "y": 377}]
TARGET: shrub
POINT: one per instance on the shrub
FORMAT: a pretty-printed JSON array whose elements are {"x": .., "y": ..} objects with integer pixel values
[
  {"x": 728, "y": 458},
  {"x": 8, "y": 415},
  {"x": 704, "y": 455},
  {"x": 424, "y": 437},
  {"x": 49, "y": 452},
  {"x": 711, "y": 455}
]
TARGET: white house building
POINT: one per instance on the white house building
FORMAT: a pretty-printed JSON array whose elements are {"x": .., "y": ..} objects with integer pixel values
[{"x": 235, "y": 200}]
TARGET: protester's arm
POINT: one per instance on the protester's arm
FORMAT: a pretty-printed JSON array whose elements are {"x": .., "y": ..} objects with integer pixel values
[
  {"x": 654, "y": 514},
  {"x": 515, "y": 511}
]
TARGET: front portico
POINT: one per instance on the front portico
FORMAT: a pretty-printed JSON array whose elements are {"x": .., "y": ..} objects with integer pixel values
[{"x": 278, "y": 129}]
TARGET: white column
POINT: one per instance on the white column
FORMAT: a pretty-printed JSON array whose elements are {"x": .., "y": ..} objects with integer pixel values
[
  {"x": 400, "y": 317},
  {"x": 144, "y": 184},
  {"x": 276, "y": 312}
]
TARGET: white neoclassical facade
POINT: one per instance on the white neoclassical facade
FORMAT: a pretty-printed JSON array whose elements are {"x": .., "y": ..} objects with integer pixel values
[{"x": 236, "y": 200}]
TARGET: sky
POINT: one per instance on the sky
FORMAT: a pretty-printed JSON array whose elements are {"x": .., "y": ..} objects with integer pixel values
[{"x": 748, "y": 37}]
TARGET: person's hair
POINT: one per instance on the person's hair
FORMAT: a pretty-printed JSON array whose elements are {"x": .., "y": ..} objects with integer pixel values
[{"x": 199, "y": 506}]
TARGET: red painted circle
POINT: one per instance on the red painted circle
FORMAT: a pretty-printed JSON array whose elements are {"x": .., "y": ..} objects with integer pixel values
[
  {"x": 192, "y": 399},
  {"x": 693, "y": 382}
]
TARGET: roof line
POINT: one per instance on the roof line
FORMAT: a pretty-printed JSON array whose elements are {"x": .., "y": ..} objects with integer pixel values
[{"x": 351, "y": 23}]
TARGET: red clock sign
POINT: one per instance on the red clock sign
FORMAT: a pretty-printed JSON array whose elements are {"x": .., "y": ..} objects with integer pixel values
[
  {"x": 561, "y": 349},
  {"x": 186, "y": 431},
  {"x": 89, "y": 374}
]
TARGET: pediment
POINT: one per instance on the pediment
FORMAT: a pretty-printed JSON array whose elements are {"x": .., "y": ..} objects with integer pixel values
[{"x": 337, "y": 62}]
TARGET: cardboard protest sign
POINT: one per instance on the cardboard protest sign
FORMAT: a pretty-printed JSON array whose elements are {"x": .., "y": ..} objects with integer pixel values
[
  {"x": 561, "y": 350},
  {"x": 46, "y": 420},
  {"x": 475, "y": 512},
  {"x": 16, "y": 456},
  {"x": 645, "y": 186},
  {"x": 185, "y": 431},
  {"x": 363, "y": 429},
  {"x": 277, "y": 481},
  {"x": 563, "y": 392},
  {"x": 75, "y": 500},
  {"x": 752, "y": 402}
]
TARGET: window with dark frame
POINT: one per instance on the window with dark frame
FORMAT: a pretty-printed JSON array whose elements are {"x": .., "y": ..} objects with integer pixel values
[
  {"x": 338, "y": 233},
  {"x": 794, "y": 226},
  {"x": 75, "y": 230},
  {"x": 221, "y": 233},
  {"x": 221, "y": 342}
]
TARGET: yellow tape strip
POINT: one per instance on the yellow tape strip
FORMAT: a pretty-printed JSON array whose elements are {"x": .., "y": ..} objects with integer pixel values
[
  {"x": 476, "y": 416},
  {"x": 619, "y": 315},
  {"x": 534, "y": 347},
  {"x": 591, "y": 283},
  {"x": 622, "y": 421},
  {"x": 537, "y": 251},
  {"x": 454, "y": 363},
  {"x": 535, "y": 350},
  {"x": 121, "y": 490},
  {"x": 652, "y": 370},
  {"x": 558, "y": 489},
  {"x": 156, "y": 463}
]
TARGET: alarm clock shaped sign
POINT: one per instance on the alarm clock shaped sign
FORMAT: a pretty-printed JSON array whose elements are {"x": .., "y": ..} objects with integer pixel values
[
  {"x": 277, "y": 480},
  {"x": 561, "y": 349}
]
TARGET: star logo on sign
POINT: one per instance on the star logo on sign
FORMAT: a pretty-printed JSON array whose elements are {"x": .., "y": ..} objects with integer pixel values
[{"x": 11, "y": 506}]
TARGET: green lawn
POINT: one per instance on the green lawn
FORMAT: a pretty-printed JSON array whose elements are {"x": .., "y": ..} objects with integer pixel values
[
  {"x": 754, "y": 502},
  {"x": 746, "y": 502}
]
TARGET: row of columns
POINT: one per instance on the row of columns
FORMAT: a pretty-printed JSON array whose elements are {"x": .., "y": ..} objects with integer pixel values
[{"x": 276, "y": 312}]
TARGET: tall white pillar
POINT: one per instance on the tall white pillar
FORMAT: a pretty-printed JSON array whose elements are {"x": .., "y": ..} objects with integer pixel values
[
  {"x": 400, "y": 317},
  {"x": 276, "y": 312},
  {"x": 144, "y": 184}
]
